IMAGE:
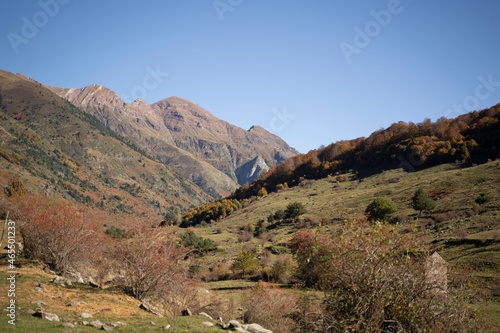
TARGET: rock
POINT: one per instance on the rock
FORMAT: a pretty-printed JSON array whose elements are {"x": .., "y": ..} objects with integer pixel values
[
  {"x": 30, "y": 311},
  {"x": 73, "y": 276},
  {"x": 233, "y": 324},
  {"x": 167, "y": 327},
  {"x": 40, "y": 290},
  {"x": 187, "y": 312},
  {"x": 68, "y": 324},
  {"x": 46, "y": 315},
  {"x": 62, "y": 281},
  {"x": 119, "y": 323},
  {"x": 205, "y": 315},
  {"x": 84, "y": 323},
  {"x": 86, "y": 315},
  {"x": 96, "y": 323},
  {"x": 76, "y": 303},
  {"x": 48, "y": 270},
  {"x": 39, "y": 303},
  {"x": 256, "y": 328},
  {"x": 107, "y": 328},
  {"x": 19, "y": 247},
  {"x": 436, "y": 273},
  {"x": 42, "y": 285},
  {"x": 145, "y": 305},
  {"x": 207, "y": 323}
]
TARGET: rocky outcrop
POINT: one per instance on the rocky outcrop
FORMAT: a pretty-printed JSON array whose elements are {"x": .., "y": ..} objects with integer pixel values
[{"x": 251, "y": 170}]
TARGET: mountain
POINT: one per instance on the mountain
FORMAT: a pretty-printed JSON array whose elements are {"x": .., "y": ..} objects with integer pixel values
[
  {"x": 471, "y": 137},
  {"x": 55, "y": 147},
  {"x": 181, "y": 134}
]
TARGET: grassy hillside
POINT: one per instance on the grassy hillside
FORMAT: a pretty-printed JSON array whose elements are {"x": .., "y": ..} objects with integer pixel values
[{"x": 56, "y": 148}]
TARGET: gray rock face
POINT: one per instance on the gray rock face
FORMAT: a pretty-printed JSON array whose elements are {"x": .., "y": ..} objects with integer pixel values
[{"x": 251, "y": 170}]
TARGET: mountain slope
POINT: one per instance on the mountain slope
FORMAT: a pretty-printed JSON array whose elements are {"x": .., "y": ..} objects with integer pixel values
[
  {"x": 56, "y": 147},
  {"x": 191, "y": 140}
]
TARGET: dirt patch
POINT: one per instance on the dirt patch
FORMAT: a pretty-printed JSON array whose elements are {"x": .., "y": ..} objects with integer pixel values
[{"x": 440, "y": 192}]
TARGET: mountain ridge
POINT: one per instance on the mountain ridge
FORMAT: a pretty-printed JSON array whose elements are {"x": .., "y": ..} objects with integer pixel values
[{"x": 201, "y": 147}]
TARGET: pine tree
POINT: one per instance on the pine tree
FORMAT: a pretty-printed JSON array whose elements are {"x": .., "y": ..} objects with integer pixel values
[{"x": 422, "y": 201}]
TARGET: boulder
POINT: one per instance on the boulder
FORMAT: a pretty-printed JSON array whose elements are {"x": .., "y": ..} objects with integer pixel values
[
  {"x": 146, "y": 305},
  {"x": 256, "y": 328},
  {"x": 96, "y": 323},
  {"x": 46, "y": 315},
  {"x": 73, "y": 276},
  {"x": 187, "y": 312},
  {"x": 68, "y": 324},
  {"x": 436, "y": 273},
  {"x": 233, "y": 324},
  {"x": 107, "y": 328},
  {"x": 207, "y": 323},
  {"x": 62, "y": 281},
  {"x": 76, "y": 303},
  {"x": 86, "y": 315}
]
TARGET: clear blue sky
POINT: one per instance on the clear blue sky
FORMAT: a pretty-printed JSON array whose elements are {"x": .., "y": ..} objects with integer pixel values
[{"x": 299, "y": 68}]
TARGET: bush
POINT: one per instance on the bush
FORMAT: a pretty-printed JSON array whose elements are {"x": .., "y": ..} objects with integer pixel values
[
  {"x": 270, "y": 307},
  {"x": 149, "y": 262},
  {"x": 482, "y": 199},
  {"x": 279, "y": 215},
  {"x": 294, "y": 210},
  {"x": 422, "y": 201},
  {"x": 199, "y": 244},
  {"x": 245, "y": 263},
  {"x": 379, "y": 208},
  {"x": 377, "y": 279},
  {"x": 57, "y": 232},
  {"x": 245, "y": 236}
]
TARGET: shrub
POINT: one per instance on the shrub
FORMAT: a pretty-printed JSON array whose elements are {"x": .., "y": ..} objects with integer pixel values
[
  {"x": 279, "y": 214},
  {"x": 376, "y": 280},
  {"x": 422, "y": 201},
  {"x": 379, "y": 208},
  {"x": 294, "y": 210},
  {"x": 199, "y": 244},
  {"x": 482, "y": 199},
  {"x": 245, "y": 263},
  {"x": 115, "y": 232},
  {"x": 245, "y": 236},
  {"x": 149, "y": 261},
  {"x": 270, "y": 307},
  {"x": 57, "y": 232}
]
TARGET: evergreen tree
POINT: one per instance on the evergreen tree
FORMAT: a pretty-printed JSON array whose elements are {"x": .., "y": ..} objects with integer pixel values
[{"x": 422, "y": 201}]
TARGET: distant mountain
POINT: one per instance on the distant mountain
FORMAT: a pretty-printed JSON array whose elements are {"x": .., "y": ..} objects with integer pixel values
[
  {"x": 202, "y": 148},
  {"x": 55, "y": 147}
]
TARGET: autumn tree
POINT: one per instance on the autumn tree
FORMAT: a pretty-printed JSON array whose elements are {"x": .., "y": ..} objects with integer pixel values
[
  {"x": 149, "y": 261},
  {"x": 422, "y": 201},
  {"x": 57, "y": 232}
]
